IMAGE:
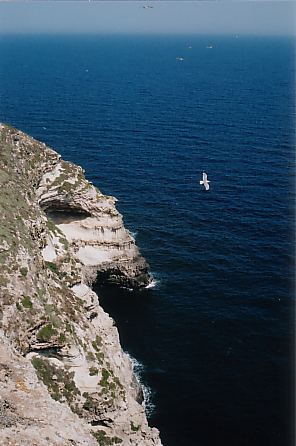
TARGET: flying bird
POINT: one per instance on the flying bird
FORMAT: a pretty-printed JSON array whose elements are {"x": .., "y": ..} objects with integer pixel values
[{"x": 205, "y": 181}]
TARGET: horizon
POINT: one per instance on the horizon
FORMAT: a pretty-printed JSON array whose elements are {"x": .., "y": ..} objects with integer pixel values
[
  {"x": 254, "y": 18},
  {"x": 143, "y": 35}
]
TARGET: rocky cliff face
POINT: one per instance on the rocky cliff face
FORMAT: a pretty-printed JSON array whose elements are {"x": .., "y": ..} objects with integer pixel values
[{"x": 64, "y": 378}]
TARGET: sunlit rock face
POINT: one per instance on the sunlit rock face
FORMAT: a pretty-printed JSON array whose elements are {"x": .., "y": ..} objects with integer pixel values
[
  {"x": 61, "y": 362},
  {"x": 92, "y": 226}
]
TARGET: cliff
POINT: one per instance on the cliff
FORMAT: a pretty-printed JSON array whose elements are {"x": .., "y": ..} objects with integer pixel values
[{"x": 64, "y": 378}]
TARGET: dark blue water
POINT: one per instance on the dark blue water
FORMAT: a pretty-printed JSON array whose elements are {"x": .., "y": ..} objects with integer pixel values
[{"x": 215, "y": 336}]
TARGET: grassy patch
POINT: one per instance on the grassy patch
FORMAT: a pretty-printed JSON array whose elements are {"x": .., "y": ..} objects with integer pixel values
[
  {"x": 45, "y": 372},
  {"x": 59, "y": 382},
  {"x": 97, "y": 343},
  {"x": 24, "y": 271},
  {"x": 110, "y": 384},
  {"x": 90, "y": 356},
  {"x": 45, "y": 333},
  {"x": 52, "y": 266},
  {"x": 26, "y": 302},
  {"x": 103, "y": 440},
  {"x": 100, "y": 357},
  {"x": 64, "y": 242},
  {"x": 62, "y": 338},
  {"x": 105, "y": 377},
  {"x": 18, "y": 306}
]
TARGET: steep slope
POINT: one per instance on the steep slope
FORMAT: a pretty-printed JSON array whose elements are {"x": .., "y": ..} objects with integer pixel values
[{"x": 59, "y": 235}]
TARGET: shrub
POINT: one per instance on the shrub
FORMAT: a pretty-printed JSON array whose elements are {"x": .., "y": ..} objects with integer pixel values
[
  {"x": 26, "y": 302},
  {"x": 52, "y": 266},
  {"x": 24, "y": 271},
  {"x": 45, "y": 333}
]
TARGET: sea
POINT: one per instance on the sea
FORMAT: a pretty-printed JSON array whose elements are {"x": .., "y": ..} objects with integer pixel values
[{"x": 145, "y": 116}]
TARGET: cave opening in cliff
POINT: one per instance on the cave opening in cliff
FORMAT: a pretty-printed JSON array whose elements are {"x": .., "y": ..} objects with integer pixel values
[{"x": 63, "y": 214}]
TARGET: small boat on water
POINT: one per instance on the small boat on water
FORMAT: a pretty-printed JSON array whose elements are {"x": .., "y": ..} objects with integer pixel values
[{"x": 179, "y": 58}]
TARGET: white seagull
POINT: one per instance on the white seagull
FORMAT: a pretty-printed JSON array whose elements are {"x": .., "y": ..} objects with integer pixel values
[{"x": 205, "y": 181}]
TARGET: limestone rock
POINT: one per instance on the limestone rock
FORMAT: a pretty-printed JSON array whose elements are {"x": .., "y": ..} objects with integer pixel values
[
  {"x": 63, "y": 375},
  {"x": 92, "y": 226}
]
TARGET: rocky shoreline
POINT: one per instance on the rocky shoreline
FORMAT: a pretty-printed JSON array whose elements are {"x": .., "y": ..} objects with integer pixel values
[{"x": 63, "y": 375}]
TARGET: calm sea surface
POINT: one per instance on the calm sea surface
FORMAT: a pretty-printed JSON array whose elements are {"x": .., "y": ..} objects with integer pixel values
[{"x": 215, "y": 336}]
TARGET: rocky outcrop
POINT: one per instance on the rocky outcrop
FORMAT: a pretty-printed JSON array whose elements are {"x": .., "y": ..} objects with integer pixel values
[
  {"x": 92, "y": 226},
  {"x": 63, "y": 375}
]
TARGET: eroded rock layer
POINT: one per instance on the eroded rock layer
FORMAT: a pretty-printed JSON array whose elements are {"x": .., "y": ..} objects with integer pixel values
[{"x": 63, "y": 375}]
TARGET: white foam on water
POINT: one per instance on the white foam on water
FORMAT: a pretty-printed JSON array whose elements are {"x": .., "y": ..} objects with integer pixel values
[
  {"x": 154, "y": 282},
  {"x": 147, "y": 403},
  {"x": 127, "y": 288}
]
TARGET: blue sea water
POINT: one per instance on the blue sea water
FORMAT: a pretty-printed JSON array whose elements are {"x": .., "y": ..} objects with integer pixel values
[{"x": 216, "y": 335}]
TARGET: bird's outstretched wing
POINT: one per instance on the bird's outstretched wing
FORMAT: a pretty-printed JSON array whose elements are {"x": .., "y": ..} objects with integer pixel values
[{"x": 204, "y": 176}]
